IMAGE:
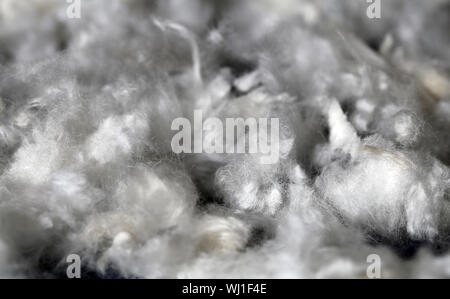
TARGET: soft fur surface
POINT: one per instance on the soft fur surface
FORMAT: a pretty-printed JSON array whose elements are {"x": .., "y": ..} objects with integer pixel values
[{"x": 86, "y": 164}]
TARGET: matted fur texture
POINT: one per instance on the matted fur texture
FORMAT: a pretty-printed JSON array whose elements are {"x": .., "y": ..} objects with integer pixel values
[{"x": 86, "y": 165}]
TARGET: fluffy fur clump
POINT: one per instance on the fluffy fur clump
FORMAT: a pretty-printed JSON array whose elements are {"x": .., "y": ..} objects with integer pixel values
[{"x": 86, "y": 164}]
